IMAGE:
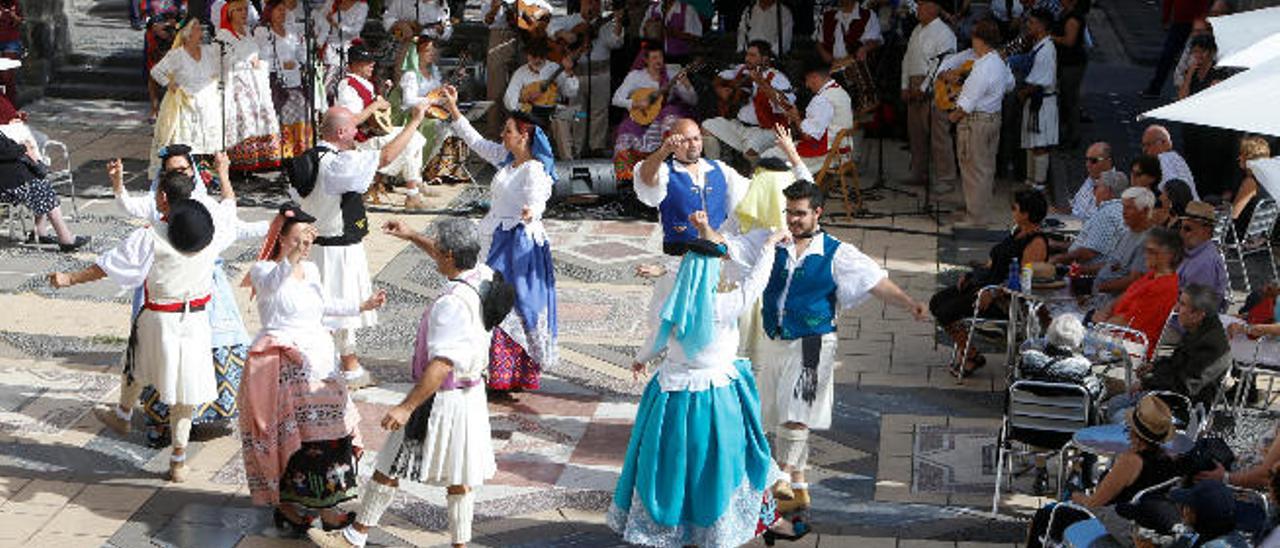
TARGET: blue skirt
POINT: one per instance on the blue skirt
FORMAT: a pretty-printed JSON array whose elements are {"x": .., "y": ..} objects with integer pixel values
[
  {"x": 696, "y": 468},
  {"x": 528, "y": 267}
]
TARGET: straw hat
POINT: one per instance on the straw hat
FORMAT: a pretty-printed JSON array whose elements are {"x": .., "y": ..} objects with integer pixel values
[
  {"x": 1201, "y": 211},
  {"x": 1151, "y": 420}
]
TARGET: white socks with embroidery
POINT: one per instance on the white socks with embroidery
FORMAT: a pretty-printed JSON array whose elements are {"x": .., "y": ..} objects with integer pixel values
[
  {"x": 461, "y": 509},
  {"x": 124, "y": 415},
  {"x": 793, "y": 448},
  {"x": 375, "y": 498},
  {"x": 411, "y": 191}
]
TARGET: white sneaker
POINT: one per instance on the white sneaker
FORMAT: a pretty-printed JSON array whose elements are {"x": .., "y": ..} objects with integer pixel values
[
  {"x": 178, "y": 471},
  {"x": 107, "y": 415},
  {"x": 329, "y": 539}
]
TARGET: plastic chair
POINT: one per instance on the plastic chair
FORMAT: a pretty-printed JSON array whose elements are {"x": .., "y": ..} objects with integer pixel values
[
  {"x": 1040, "y": 415},
  {"x": 841, "y": 162},
  {"x": 60, "y": 173}
]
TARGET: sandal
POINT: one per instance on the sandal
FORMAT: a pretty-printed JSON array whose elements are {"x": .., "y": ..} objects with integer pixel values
[{"x": 978, "y": 360}]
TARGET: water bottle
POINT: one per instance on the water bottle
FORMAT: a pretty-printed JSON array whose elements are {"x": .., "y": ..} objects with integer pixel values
[
  {"x": 1015, "y": 277},
  {"x": 1025, "y": 280}
]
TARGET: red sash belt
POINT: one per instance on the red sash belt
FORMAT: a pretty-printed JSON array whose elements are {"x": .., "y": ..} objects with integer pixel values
[{"x": 189, "y": 306}]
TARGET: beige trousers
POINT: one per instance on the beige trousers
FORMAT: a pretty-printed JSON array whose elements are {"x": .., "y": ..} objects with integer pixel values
[
  {"x": 918, "y": 126},
  {"x": 179, "y": 414},
  {"x": 979, "y": 139},
  {"x": 601, "y": 96},
  {"x": 942, "y": 148}
]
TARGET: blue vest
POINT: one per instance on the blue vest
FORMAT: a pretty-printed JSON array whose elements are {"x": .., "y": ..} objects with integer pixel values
[
  {"x": 683, "y": 198},
  {"x": 810, "y": 308}
]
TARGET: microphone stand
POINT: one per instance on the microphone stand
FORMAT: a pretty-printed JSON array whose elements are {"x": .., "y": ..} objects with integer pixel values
[
  {"x": 222, "y": 85},
  {"x": 309, "y": 73}
]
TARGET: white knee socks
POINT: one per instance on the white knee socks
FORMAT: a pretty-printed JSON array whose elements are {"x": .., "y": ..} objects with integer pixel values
[
  {"x": 461, "y": 509},
  {"x": 793, "y": 448},
  {"x": 374, "y": 501}
]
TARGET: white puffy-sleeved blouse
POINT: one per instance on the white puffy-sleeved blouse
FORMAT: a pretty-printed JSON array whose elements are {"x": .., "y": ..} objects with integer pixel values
[
  {"x": 292, "y": 310},
  {"x": 513, "y": 187}
]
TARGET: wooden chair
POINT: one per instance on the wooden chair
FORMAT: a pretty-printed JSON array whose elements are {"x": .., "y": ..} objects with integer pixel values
[{"x": 840, "y": 163}]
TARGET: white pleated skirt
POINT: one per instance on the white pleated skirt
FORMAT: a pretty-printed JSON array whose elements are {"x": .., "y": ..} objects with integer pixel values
[
  {"x": 173, "y": 356},
  {"x": 344, "y": 271},
  {"x": 457, "y": 449}
]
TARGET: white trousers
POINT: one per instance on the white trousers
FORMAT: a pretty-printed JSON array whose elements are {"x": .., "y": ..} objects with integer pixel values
[{"x": 408, "y": 165}]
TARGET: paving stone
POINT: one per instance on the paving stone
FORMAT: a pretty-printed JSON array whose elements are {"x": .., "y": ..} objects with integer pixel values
[{"x": 113, "y": 497}]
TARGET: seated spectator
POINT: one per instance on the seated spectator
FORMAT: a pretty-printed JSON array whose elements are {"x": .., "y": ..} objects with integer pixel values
[
  {"x": 1249, "y": 193},
  {"x": 1209, "y": 509},
  {"x": 1145, "y": 172},
  {"x": 1173, "y": 202},
  {"x": 1203, "y": 263},
  {"x": 1260, "y": 308},
  {"x": 1157, "y": 142},
  {"x": 1097, "y": 160},
  {"x": 1126, "y": 262},
  {"x": 22, "y": 182},
  {"x": 1026, "y": 243},
  {"x": 1058, "y": 359},
  {"x": 1146, "y": 304},
  {"x": 1103, "y": 230},
  {"x": 1259, "y": 476}
]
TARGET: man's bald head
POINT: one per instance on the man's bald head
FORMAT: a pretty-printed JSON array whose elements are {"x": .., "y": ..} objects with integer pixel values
[
  {"x": 689, "y": 137},
  {"x": 685, "y": 126},
  {"x": 338, "y": 126},
  {"x": 1156, "y": 140}
]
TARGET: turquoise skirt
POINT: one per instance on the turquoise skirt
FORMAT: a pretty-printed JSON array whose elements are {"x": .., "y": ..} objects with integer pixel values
[{"x": 696, "y": 468}]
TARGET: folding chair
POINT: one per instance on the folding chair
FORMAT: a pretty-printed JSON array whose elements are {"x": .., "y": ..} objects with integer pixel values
[
  {"x": 1117, "y": 344},
  {"x": 1062, "y": 512},
  {"x": 1263, "y": 362},
  {"x": 1253, "y": 513},
  {"x": 841, "y": 163},
  {"x": 1158, "y": 534},
  {"x": 60, "y": 173},
  {"x": 1256, "y": 239},
  {"x": 1041, "y": 416}
]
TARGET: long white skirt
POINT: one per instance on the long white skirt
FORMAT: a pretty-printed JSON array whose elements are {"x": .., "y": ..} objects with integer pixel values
[
  {"x": 458, "y": 449},
  {"x": 1048, "y": 134},
  {"x": 173, "y": 356},
  {"x": 344, "y": 271},
  {"x": 778, "y": 375}
]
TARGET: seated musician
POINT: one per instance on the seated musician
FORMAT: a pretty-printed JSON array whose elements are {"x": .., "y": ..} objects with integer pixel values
[
  {"x": 443, "y": 152},
  {"x": 847, "y": 31},
  {"x": 656, "y": 95},
  {"x": 408, "y": 19},
  {"x": 357, "y": 94},
  {"x": 537, "y": 87},
  {"x": 748, "y": 128},
  {"x": 827, "y": 114},
  {"x": 590, "y": 37}
]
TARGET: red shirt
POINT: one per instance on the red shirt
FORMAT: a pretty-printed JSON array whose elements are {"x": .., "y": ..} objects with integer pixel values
[{"x": 1147, "y": 304}]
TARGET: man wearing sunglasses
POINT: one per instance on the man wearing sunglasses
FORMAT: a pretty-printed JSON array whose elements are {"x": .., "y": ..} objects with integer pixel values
[
  {"x": 1203, "y": 263},
  {"x": 1097, "y": 160}
]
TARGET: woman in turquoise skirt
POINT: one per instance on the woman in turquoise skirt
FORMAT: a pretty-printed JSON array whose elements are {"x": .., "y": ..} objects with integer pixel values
[{"x": 698, "y": 466}]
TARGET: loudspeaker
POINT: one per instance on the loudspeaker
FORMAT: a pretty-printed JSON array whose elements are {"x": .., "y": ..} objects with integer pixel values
[{"x": 591, "y": 176}]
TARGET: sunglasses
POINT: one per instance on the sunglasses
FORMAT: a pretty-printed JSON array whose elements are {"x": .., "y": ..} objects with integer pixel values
[{"x": 1094, "y": 159}]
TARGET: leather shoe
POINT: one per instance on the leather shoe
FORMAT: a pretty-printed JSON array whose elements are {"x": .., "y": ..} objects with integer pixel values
[{"x": 78, "y": 243}]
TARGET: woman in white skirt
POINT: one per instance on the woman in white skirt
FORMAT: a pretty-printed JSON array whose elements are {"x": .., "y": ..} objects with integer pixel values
[
  {"x": 1039, "y": 95},
  {"x": 253, "y": 131},
  {"x": 190, "y": 113},
  {"x": 440, "y": 431}
]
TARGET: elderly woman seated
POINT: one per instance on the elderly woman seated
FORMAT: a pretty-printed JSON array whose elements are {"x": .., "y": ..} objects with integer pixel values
[
  {"x": 1146, "y": 304},
  {"x": 1025, "y": 243},
  {"x": 23, "y": 181}
]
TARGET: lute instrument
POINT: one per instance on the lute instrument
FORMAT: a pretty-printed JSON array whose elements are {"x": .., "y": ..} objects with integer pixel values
[
  {"x": 656, "y": 96},
  {"x": 435, "y": 98},
  {"x": 379, "y": 123}
]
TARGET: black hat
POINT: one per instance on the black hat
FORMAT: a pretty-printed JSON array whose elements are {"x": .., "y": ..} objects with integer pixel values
[
  {"x": 169, "y": 151},
  {"x": 707, "y": 248},
  {"x": 1211, "y": 500},
  {"x": 773, "y": 164},
  {"x": 291, "y": 210},
  {"x": 190, "y": 226},
  {"x": 359, "y": 53}
]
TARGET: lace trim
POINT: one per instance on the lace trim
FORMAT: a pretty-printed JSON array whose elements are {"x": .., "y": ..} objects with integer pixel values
[
  {"x": 748, "y": 508},
  {"x": 676, "y": 378}
]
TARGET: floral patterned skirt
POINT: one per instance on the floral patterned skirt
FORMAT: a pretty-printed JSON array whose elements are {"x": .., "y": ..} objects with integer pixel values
[
  {"x": 321, "y": 474},
  {"x": 228, "y": 367}
]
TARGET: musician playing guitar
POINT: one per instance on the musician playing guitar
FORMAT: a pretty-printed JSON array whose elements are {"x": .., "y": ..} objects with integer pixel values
[
  {"x": 357, "y": 94},
  {"x": 827, "y": 114},
  {"x": 748, "y": 128},
  {"x": 408, "y": 19},
  {"x": 537, "y": 87},
  {"x": 656, "y": 95},
  {"x": 506, "y": 25},
  {"x": 848, "y": 30},
  {"x": 589, "y": 31}
]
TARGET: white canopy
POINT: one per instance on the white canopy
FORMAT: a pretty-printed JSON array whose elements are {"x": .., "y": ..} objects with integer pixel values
[
  {"x": 1238, "y": 31},
  {"x": 1267, "y": 172},
  {"x": 1265, "y": 50},
  {"x": 1244, "y": 102}
]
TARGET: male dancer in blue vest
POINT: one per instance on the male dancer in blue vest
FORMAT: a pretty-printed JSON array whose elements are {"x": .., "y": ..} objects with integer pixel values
[{"x": 814, "y": 276}]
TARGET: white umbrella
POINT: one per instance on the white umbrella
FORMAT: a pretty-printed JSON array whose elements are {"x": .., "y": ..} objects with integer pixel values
[
  {"x": 1265, "y": 50},
  {"x": 1244, "y": 102},
  {"x": 1267, "y": 173},
  {"x": 1238, "y": 31}
]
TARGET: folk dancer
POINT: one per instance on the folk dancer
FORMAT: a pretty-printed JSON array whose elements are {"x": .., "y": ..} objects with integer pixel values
[
  {"x": 170, "y": 338},
  {"x": 812, "y": 277},
  {"x": 440, "y": 432},
  {"x": 1039, "y": 97},
  {"x": 344, "y": 173},
  {"x": 299, "y": 428},
  {"x": 750, "y": 129},
  {"x": 977, "y": 114},
  {"x": 252, "y": 130},
  {"x": 230, "y": 341},
  {"x": 191, "y": 111},
  {"x": 928, "y": 129},
  {"x": 281, "y": 48},
  {"x": 828, "y": 113},
  {"x": 407, "y": 20},
  {"x": 524, "y": 344},
  {"x": 676, "y": 25},
  {"x": 357, "y": 95},
  {"x": 421, "y": 81},
  {"x": 698, "y": 459},
  {"x": 635, "y": 140},
  {"x": 760, "y": 22},
  {"x": 593, "y": 94},
  {"x": 537, "y": 88},
  {"x": 217, "y": 13},
  {"x": 337, "y": 30}
]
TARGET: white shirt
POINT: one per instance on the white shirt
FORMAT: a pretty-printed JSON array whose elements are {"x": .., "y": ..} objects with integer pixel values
[
  {"x": 276, "y": 50},
  {"x": 348, "y": 97},
  {"x": 640, "y": 79},
  {"x": 144, "y": 207},
  {"x": 853, "y": 271},
  {"x": 425, "y": 12},
  {"x": 984, "y": 90},
  {"x": 691, "y": 24},
  {"x": 523, "y": 76},
  {"x": 870, "y": 33},
  {"x": 714, "y": 365},
  {"x": 414, "y": 86},
  {"x": 129, "y": 263},
  {"x": 1172, "y": 166},
  {"x": 512, "y": 189},
  {"x": 339, "y": 172},
  {"x": 215, "y": 14},
  {"x": 292, "y": 311},
  {"x": 1083, "y": 204},
  {"x": 348, "y": 27},
  {"x": 607, "y": 39},
  {"x": 779, "y": 81},
  {"x": 925, "y": 49},
  {"x": 500, "y": 21},
  {"x": 455, "y": 331},
  {"x": 761, "y": 24},
  {"x": 820, "y": 112},
  {"x": 735, "y": 183},
  {"x": 191, "y": 75},
  {"x": 1044, "y": 70}
]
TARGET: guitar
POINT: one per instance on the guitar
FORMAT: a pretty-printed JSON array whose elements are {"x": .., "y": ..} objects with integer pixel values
[
  {"x": 527, "y": 17},
  {"x": 379, "y": 123},
  {"x": 547, "y": 92},
  {"x": 583, "y": 34},
  {"x": 732, "y": 93},
  {"x": 656, "y": 96},
  {"x": 947, "y": 86},
  {"x": 435, "y": 98}
]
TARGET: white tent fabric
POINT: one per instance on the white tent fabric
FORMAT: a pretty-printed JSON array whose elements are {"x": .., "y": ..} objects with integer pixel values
[
  {"x": 1238, "y": 31},
  {"x": 1244, "y": 102},
  {"x": 1267, "y": 172},
  {"x": 1265, "y": 50}
]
